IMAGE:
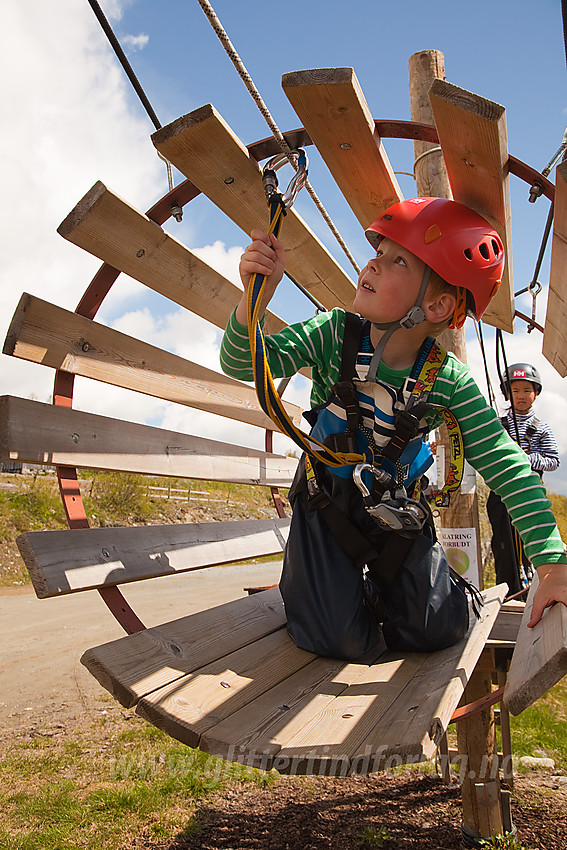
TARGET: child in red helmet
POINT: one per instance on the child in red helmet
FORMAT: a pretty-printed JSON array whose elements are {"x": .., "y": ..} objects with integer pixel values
[
  {"x": 521, "y": 385},
  {"x": 347, "y": 580}
]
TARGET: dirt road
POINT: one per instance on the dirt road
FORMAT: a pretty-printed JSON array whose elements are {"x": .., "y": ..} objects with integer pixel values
[{"x": 42, "y": 679}]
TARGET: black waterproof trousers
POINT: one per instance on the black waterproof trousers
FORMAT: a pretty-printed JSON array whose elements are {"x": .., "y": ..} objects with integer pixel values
[
  {"x": 330, "y": 606},
  {"x": 505, "y": 543}
]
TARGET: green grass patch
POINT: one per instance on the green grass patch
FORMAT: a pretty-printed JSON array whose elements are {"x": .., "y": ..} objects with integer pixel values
[
  {"x": 106, "y": 788},
  {"x": 540, "y": 729}
]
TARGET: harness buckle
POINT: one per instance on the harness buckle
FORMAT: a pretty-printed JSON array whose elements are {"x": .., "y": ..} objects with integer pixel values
[
  {"x": 299, "y": 179},
  {"x": 316, "y": 496},
  {"x": 393, "y": 513}
]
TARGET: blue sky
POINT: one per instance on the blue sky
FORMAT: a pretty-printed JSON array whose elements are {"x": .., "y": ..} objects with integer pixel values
[{"x": 72, "y": 118}]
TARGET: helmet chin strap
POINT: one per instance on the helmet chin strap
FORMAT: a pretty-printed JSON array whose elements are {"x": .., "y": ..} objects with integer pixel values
[{"x": 413, "y": 317}]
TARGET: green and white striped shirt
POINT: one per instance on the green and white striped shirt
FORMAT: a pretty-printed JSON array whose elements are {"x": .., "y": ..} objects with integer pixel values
[{"x": 506, "y": 469}]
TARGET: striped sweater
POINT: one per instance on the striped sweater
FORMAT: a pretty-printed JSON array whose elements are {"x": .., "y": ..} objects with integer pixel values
[
  {"x": 540, "y": 446},
  {"x": 488, "y": 448}
]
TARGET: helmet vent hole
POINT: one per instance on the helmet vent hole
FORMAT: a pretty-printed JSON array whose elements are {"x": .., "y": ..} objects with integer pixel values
[
  {"x": 468, "y": 253},
  {"x": 496, "y": 248},
  {"x": 483, "y": 248}
]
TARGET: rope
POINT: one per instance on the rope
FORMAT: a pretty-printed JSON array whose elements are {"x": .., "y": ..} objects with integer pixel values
[
  {"x": 268, "y": 397},
  {"x": 249, "y": 83},
  {"x": 480, "y": 337}
]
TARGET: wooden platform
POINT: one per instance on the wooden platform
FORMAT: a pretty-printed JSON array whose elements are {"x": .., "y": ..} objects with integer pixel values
[{"x": 231, "y": 681}]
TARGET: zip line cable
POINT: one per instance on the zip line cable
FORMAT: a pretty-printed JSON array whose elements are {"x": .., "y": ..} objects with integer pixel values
[
  {"x": 249, "y": 83},
  {"x": 129, "y": 71},
  {"x": 124, "y": 62}
]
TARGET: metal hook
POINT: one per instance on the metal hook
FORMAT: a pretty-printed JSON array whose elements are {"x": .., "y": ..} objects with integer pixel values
[
  {"x": 270, "y": 181},
  {"x": 534, "y": 288}
]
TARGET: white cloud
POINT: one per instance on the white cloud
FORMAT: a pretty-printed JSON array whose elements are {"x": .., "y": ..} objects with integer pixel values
[
  {"x": 224, "y": 260},
  {"x": 135, "y": 42},
  {"x": 71, "y": 123}
]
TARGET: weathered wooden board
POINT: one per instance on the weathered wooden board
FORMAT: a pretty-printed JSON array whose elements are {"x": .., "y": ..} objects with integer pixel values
[
  {"x": 68, "y": 561},
  {"x": 34, "y": 432},
  {"x": 187, "y": 708},
  {"x": 472, "y": 134},
  {"x": 332, "y": 108},
  {"x": 45, "y": 333},
  {"x": 555, "y": 330},
  {"x": 271, "y": 705},
  {"x": 204, "y": 148},
  {"x": 411, "y": 728},
  {"x": 505, "y": 629},
  {"x": 255, "y": 733},
  {"x": 139, "y": 664},
  {"x": 110, "y": 229},
  {"x": 540, "y": 657}
]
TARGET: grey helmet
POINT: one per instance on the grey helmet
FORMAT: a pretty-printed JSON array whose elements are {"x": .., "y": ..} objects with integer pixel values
[{"x": 521, "y": 372}]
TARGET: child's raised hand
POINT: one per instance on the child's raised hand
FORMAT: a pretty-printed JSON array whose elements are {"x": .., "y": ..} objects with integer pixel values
[
  {"x": 552, "y": 588},
  {"x": 265, "y": 255}
]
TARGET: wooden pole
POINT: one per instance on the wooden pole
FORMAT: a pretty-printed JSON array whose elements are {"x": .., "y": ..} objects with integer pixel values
[
  {"x": 432, "y": 181},
  {"x": 475, "y": 736}
]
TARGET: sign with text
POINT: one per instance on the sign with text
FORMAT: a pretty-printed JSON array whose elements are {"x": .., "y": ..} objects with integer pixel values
[{"x": 461, "y": 551}]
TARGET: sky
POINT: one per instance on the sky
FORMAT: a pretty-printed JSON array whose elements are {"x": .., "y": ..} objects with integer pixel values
[{"x": 71, "y": 118}]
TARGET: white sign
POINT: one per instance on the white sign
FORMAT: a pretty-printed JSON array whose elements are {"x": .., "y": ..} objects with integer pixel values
[{"x": 461, "y": 551}]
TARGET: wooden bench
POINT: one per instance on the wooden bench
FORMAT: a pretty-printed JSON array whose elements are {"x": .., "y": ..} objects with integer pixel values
[{"x": 230, "y": 680}]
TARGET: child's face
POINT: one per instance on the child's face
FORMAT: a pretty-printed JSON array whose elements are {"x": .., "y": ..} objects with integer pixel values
[
  {"x": 523, "y": 395},
  {"x": 389, "y": 283}
]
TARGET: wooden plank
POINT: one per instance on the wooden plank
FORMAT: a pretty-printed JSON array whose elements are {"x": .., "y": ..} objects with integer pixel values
[
  {"x": 44, "y": 333},
  {"x": 62, "y": 562},
  {"x": 472, "y": 134},
  {"x": 322, "y": 738},
  {"x": 507, "y": 625},
  {"x": 134, "y": 666},
  {"x": 555, "y": 330},
  {"x": 330, "y": 717},
  {"x": 417, "y": 719},
  {"x": 332, "y": 108},
  {"x": 254, "y": 734},
  {"x": 110, "y": 229},
  {"x": 187, "y": 708},
  {"x": 34, "y": 432},
  {"x": 204, "y": 148},
  {"x": 540, "y": 657}
]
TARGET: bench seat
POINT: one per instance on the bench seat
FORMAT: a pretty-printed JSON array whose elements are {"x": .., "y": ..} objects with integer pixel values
[{"x": 231, "y": 682}]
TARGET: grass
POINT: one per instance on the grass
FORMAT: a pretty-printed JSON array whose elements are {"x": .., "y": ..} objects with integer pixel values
[
  {"x": 107, "y": 787},
  {"x": 540, "y": 729}
]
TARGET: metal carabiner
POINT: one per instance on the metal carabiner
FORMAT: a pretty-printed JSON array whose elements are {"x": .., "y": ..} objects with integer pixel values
[
  {"x": 382, "y": 477},
  {"x": 394, "y": 513},
  {"x": 297, "y": 182},
  {"x": 534, "y": 288}
]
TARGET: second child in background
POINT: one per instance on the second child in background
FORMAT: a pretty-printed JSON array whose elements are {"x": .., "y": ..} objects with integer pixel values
[{"x": 521, "y": 387}]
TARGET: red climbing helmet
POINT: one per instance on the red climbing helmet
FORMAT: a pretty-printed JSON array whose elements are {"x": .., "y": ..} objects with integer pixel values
[{"x": 456, "y": 242}]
